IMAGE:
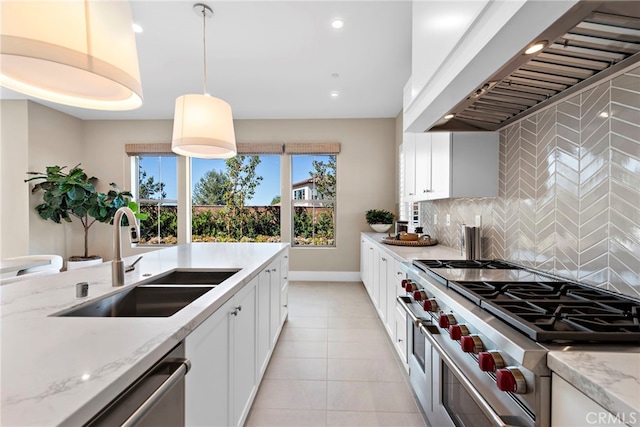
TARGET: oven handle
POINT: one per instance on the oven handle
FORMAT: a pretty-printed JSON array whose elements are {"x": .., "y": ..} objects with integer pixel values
[
  {"x": 475, "y": 394},
  {"x": 404, "y": 302}
]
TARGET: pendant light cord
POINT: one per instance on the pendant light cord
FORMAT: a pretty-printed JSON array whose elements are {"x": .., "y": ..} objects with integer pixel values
[{"x": 204, "y": 46}]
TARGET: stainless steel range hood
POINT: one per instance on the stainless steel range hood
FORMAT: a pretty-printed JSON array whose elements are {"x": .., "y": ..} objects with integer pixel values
[{"x": 590, "y": 42}]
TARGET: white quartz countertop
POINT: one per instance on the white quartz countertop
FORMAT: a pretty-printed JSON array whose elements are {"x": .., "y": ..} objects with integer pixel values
[
  {"x": 612, "y": 379},
  {"x": 63, "y": 370},
  {"x": 409, "y": 253}
]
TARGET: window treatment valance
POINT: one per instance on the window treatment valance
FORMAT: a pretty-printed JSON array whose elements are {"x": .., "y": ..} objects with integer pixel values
[{"x": 248, "y": 148}]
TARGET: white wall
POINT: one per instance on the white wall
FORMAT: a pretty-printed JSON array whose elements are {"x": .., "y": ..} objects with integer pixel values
[
  {"x": 14, "y": 200},
  {"x": 366, "y": 173}
]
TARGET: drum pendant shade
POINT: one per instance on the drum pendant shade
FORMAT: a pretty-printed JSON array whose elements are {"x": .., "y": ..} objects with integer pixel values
[
  {"x": 74, "y": 52},
  {"x": 203, "y": 128},
  {"x": 202, "y": 124}
]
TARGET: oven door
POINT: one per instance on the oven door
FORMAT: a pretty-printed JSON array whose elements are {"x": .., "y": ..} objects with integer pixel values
[
  {"x": 419, "y": 360},
  {"x": 466, "y": 397}
]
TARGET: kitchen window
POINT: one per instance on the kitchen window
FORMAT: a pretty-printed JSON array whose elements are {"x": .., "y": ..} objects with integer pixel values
[
  {"x": 314, "y": 199},
  {"x": 236, "y": 199},
  {"x": 156, "y": 194}
]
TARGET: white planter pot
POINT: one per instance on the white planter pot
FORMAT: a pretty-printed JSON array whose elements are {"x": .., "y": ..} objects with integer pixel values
[
  {"x": 381, "y": 228},
  {"x": 74, "y": 265}
]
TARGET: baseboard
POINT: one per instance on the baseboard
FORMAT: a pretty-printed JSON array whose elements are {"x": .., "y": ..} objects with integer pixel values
[{"x": 324, "y": 276}]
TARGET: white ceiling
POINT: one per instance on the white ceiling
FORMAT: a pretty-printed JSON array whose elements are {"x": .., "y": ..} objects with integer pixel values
[{"x": 271, "y": 59}]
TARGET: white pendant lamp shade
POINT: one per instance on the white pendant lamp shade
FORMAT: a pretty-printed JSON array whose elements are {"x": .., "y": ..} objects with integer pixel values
[
  {"x": 75, "y": 52},
  {"x": 203, "y": 128}
]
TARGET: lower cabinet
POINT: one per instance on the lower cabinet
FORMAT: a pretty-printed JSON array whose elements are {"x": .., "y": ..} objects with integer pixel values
[
  {"x": 230, "y": 350},
  {"x": 572, "y": 408},
  {"x": 382, "y": 278}
]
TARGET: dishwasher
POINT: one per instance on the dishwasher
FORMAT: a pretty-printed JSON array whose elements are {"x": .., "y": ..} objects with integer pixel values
[{"x": 155, "y": 399}]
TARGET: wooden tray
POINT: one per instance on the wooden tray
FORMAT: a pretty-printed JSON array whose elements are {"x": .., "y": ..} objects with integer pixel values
[{"x": 425, "y": 241}]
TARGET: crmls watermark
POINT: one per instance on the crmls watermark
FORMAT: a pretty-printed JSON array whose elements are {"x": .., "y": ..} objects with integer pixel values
[{"x": 606, "y": 418}]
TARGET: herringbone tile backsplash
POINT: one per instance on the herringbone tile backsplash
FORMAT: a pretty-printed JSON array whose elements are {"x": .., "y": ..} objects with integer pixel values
[{"x": 569, "y": 191}]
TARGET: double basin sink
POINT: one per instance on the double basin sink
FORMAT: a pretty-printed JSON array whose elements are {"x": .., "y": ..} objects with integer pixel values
[{"x": 160, "y": 297}]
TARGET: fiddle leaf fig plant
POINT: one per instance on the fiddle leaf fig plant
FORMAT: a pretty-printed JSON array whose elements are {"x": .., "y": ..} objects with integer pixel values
[{"x": 73, "y": 194}]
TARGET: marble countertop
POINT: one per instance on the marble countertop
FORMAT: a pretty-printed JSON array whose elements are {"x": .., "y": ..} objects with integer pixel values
[
  {"x": 610, "y": 378},
  {"x": 409, "y": 253},
  {"x": 62, "y": 370}
]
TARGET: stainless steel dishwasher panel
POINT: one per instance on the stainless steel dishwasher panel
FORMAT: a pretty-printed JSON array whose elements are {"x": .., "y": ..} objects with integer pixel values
[{"x": 154, "y": 400}]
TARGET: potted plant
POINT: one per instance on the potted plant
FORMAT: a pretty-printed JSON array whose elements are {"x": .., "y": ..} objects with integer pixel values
[
  {"x": 379, "y": 219},
  {"x": 73, "y": 194}
]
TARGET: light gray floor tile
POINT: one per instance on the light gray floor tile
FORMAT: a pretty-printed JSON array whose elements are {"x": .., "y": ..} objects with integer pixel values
[
  {"x": 322, "y": 370},
  {"x": 370, "y": 396},
  {"x": 308, "y": 322},
  {"x": 301, "y": 349},
  {"x": 358, "y": 370},
  {"x": 303, "y": 334},
  {"x": 286, "y": 418},
  {"x": 297, "y": 369},
  {"x": 291, "y": 394},
  {"x": 374, "y": 419}
]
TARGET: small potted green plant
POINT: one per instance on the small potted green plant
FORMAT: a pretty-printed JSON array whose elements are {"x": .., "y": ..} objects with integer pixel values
[
  {"x": 73, "y": 194},
  {"x": 379, "y": 219}
]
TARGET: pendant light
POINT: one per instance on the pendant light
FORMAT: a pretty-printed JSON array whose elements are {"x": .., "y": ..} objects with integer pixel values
[
  {"x": 202, "y": 124},
  {"x": 74, "y": 52}
]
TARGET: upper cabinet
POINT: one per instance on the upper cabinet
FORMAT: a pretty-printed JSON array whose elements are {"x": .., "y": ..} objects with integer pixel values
[
  {"x": 440, "y": 165},
  {"x": 456, "y": 46}
]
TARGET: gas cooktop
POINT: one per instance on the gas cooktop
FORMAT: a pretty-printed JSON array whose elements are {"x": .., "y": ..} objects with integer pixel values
[
  {"x": 541, "y": 306},
  {"x": 557, "y": 311}
]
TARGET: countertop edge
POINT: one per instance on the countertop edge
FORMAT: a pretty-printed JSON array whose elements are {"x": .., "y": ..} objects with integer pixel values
[{"x": 603, "y": 377}]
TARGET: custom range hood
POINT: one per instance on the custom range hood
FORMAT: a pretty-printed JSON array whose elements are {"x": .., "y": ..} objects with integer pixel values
[{"x": 592, "y": 41}]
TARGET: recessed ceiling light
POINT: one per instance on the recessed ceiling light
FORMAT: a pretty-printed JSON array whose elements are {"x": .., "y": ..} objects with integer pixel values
[
  {"x": 536, "y": 47},
  {"x": 604, "y": 114},
  {"x": 337, "y": 23},
  {"x": 334, "y": 94},
  {"x": 137, "y": 28},
  {"x": 449, "y": 116}
]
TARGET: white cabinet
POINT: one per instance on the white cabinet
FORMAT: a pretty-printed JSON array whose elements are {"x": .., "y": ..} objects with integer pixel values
[
  {"x": 264, "y": 317},
  {"x": 417, "y": 166},
  {"x": 222, "y": 351},
  {"x": 367, "y": 264},
  {"x": 450, "y": 164},
  {"x": 243, "y": 360},
  {"x": 272, "y": 308},
  {"x": 207, "y": 384},
  {"x": 400, "y": 328},
  {"x": 230, "y": 350},
  {"x": 572, "y": 408}
]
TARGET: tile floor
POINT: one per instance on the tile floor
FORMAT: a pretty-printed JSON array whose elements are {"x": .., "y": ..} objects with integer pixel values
[{"x": 334, "y": 365}]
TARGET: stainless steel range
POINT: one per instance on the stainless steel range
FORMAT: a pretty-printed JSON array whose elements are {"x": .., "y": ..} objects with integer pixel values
[{"x": 479, "y": 332}]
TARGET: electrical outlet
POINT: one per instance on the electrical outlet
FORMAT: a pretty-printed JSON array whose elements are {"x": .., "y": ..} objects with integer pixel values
[
  {"x": 478, "y": 220},
  {"x": 448, "y": 220},
  {"x": 435, "y": 219}
]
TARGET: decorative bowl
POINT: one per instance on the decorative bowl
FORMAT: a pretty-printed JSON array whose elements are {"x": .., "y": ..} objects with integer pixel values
[{"x": 381, "y": 228}]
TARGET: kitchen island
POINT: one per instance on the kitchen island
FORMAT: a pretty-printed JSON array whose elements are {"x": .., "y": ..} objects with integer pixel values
[{"x": 63, "y": 370}]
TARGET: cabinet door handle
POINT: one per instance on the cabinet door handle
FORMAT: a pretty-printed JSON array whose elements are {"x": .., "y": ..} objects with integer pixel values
[
  {"x": 234, "y": 313},
  {"x": 399, "y": 273},
  {"x": 285, "y": 305},
  {"x": 384, "y": 259}
]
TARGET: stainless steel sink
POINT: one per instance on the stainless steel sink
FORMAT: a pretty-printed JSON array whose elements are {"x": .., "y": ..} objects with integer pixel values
[
  {"x": 194, "y": 277},
  {"x": 140, "y": 301}
]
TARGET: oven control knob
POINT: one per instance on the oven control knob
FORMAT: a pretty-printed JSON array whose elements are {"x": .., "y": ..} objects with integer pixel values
[
  {"x": 411, "y": 287},
  {"x": 430, "y": 305},
  {"x": 446, "y": 319},
  {"x": 511, "y": 379},
  {"x": 491, "y": 360},
  {"x": 457, "y": 331},
  {"x": 471, "y": 344},
  {"x": 404, "y": 283},
  {"x": 420, "y": 295}
]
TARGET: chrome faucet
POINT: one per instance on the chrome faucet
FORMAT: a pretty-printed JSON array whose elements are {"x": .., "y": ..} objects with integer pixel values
[{"x": 117, "y": 267}]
